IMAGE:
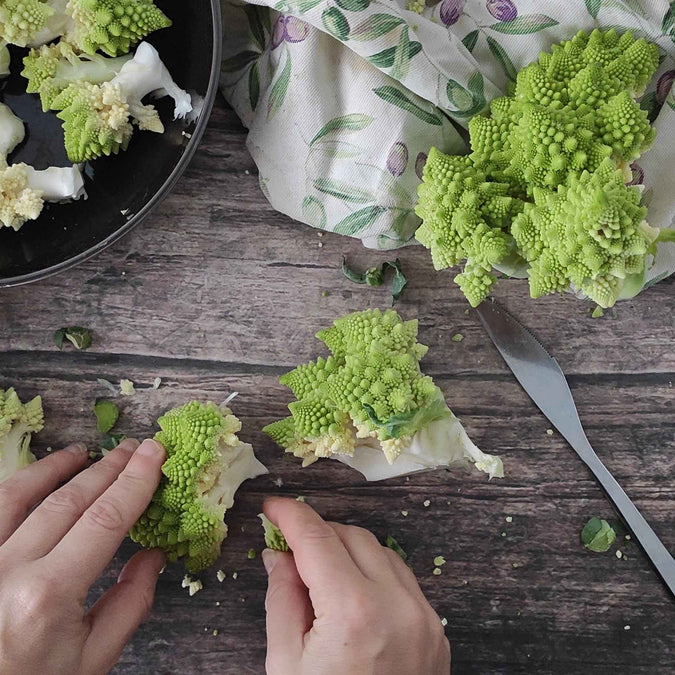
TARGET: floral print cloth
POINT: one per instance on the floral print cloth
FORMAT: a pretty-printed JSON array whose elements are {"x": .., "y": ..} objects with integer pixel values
[{"x": 344, "y": 98}]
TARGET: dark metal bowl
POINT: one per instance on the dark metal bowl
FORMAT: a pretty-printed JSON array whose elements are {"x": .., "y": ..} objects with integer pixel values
[{"x": 123, "y": 188}]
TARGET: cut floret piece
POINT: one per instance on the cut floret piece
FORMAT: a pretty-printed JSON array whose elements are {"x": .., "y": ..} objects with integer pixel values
[
  {"x": 274, "y": 537},
  {"x": 98, "y": 118},
  {"x": 31, "y": 23},
  {"x": 372, "y": 408},
  {"x": 206, "y": 463},
  {"x": 18, "y": 421},
  {"x": 5, "y": 59},
  {"x": 51, "y": 68}
]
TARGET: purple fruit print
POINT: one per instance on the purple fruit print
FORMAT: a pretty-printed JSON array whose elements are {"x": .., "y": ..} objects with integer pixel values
[
  {"x": 451, "y": 10},
  {"x": 502, "y": 10},
  {"x": 288, "y": 29},
  {"x": 419, "y": 164},
  {"x": 664, "y": 85},
  {"x": 398, "y": 159},
  {"x": 638, "y": 174}
]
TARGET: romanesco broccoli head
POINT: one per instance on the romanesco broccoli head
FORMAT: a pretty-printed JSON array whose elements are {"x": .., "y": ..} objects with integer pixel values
[
  {"x": 206, "y": 462},
  {"x": 18, "y": 421},
  {"x": 19, "y": 202},
  {"x": 371, "y": 388},
  {"x": 21, "y": 20}
]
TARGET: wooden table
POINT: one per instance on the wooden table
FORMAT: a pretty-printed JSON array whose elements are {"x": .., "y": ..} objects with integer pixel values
[{"x": 215, "y": 292}]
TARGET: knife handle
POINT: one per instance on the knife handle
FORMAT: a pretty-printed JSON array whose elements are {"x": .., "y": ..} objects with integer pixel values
[{"x": 652, "y": 545}]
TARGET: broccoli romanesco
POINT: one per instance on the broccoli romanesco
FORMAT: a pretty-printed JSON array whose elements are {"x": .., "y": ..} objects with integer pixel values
[
  {"x": 370, "y": 395},
  {"x": 98, "y": 117},
  {"x": 274, "y": 537},
  {"x": 111, "y": 26},
  {"x": 205, "y": 465},
  {"x": 18, "y": 421},
  {"x": 542, "y": 192}
]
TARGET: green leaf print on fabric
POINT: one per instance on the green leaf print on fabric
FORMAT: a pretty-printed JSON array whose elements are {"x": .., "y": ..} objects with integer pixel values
[
  {"x": 385, "y": 58},
  {"x": 375, "y": 26},
  {"x": 359, "y": 220},
  {"x": 337, "y": 149},
  {"x": 343, "y": 190},
  {"x": 299, "y": 6},
  {"x": 400, "y": 100},
  {"x": 402, "y": 56},
  {"x": 525, "y": 24},
  {"x": 354, "y": 5},
  {"x": 668, "y": 20},
  {"x": 504, "y": 61},
  {"x": 347, "y": 123},
  {"x": 335, "y": 22},
  {"x": 593, "y": 7},
  {"x": 255, "y": 24},
  {"x": 468, "y": 102},
  {"x": 254, "y": 86},
  {"x": 470, "y": 39},
  {"x": 314, "y": 212},
  {"x": 239, "y": 61},
  {"x": 279, "y": 89}
]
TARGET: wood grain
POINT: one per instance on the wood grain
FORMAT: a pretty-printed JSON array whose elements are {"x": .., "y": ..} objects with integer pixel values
[{"x": 217, "y": 293}]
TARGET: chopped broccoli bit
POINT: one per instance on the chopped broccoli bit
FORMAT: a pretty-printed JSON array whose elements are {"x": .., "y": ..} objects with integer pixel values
[
  {"x": 79, "y": 337},
  {"x": 598, "y": 535},
  {"x": 391, "y": 543},
  {"x": 18, "y": 421},
  {"x": 106, "y": 415},
  {"x": 156, "y": 382},
  {"x": 439, "y": 561},
  {"x": 127, "y": 388},
  {"x": 220, "y": 575},
  {"x": 206, "y": 462},
  {"x": 457, "y": 337},
  {"x": 437, "y": 571},
  {"x": 274, "y": 538},
  {"x": 111, "y": 442},
  {"x": 597, "y": 312},
  {"x": 251, "y": 553}
]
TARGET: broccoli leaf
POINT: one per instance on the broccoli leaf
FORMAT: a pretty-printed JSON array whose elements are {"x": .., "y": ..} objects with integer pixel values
[
  {"x": 374, "y": 276},
  {"x": 598, "y": 535},
  {"x": 106, "y": 415},
  {"x": 391, "y": 543},
  {"x": 111, "y": 442},
  {"x": 77, "y": 335}
]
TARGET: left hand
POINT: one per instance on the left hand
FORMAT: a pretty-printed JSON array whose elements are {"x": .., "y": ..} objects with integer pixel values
[{"x": 51, "y": 556}]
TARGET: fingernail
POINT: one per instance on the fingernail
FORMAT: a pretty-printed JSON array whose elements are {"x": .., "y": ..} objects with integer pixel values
[
  {"x": 270, "y": 559},
  {"x": 77, "y": 448},
  {"x": 149, "y": 447}
]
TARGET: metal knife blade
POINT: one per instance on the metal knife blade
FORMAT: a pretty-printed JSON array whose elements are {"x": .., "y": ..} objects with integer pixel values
[{"x": 544, "y": 382}]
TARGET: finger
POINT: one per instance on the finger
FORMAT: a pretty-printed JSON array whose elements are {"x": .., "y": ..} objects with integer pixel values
[
  {"x": 365, "y": 551},
  {"x": 34, "y": 482},
  {"x": 90, "y": 544},
  {"x": 50, "y": 521},
  {"x": 121, "y": 610},
  {"x": 403, "y": 573},
  {"x": 289, "y": 611},
  {"x": 320, "y": 556}
]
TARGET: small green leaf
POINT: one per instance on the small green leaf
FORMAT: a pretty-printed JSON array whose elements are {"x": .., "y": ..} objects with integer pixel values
[
  {"x": 353, "y": 5},
  {"x": 524, "y": 24},
  {"x": 314, "y": 212},
  {"x": 504, "y": 61},
  {"x": 359, "y": 220},
  {"x": 402, "y": 56},
  {"x": 279, "y": 89},
  {"x": 400, "y": 282},
  {"x": 375, "y": 26},
  {"x": 597, "y": 312},
  {"x": 391, "y": 543},
  {"x": 337, "y": 149},
  {"x": 470, "y": 39},
  {"x": 353, "y": 276},
  {"x": 396, "y": 97},
  {"x": 106, "y": 415},
  {"x": 78, "y": 336},
  {"x": 342, "y": 190},
  {"x": 251, "y": 553},
  {"x": 593, "y": 7},
  {"x": 111, "y": 442},
  {"x": 335, "y": 22},
  {"x": 598, "y": 535},
  {"x": 348, "y": 123},
  {"x": 238, "y": 61},
  {"x": 253, "y": 86},
  {"x": 255, "y": 24},
  {"x": 375, "y": 276},
  {"x": 385, "y": 58}
]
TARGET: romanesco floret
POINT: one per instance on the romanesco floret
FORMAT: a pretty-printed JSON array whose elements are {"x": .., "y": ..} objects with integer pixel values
[
  {"x": 98, "y": 117},
  {"x": 206, "y": 463},
  {"x": 18, "y": 421},
  {"x": 369, "y": 393},
  {"x": 23, "y": 189},
  {"x": 274, "y": 537},
  {"x": 51, "y": 68},
  {"x": 31, "y": 23},
  {"x": 5, "y": 59},
  {"x": 571, "y": 123}
]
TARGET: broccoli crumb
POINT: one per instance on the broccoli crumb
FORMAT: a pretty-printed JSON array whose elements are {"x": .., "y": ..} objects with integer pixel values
[
  {"x": 156, "y": 382},
  {"x": 626, "y": 627},
  {"x": 457, "y": 337},
  {"x": 193, "y": 585},
  {"x": 251, "y": 553},
  {"x": 427, "y": 502},
  {"x": 437, "y": 571},
  {"x": 278, "y": 482},
  {"x": 127, "y": 388},
  {"x": 404, "y": 513},
  {"x": 220, "y": 575},
  {"x": 235, "y": 575},
  {"x": 215, "y": 632},
  {"x": 618, "y": 554},
  {"x": 324, "y": 294},
  {"x": 509, "y": 519},
  {"x": 503, "y": 534},
  {"x": 549, "y": 432},
  {"x": 439, "y": 561},
  {"x": 300, "y": 498},
  {"x": 597, "y": 312},
  {"x": 444, "y": 622}
]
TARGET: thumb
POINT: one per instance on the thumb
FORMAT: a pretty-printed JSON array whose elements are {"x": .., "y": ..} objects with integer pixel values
[{"x": 289, "y": 612}]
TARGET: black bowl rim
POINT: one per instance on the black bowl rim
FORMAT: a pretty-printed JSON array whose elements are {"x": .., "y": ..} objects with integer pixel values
[{"x": 168, "y": 184}]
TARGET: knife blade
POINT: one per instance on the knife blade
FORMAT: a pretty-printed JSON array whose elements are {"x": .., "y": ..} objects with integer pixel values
[{"x": 544, "y": 382}]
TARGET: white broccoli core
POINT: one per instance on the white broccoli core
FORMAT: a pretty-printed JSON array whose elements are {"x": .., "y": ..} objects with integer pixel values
[
  {"x": 221, "y": 480},
  {"x": 12, "y": 132},
  {"x": 58, "y": 24},
  {"x": 15, "y": 450},
  {"x": 57, "y": 183},
  {"x": 4, "y": 59}
]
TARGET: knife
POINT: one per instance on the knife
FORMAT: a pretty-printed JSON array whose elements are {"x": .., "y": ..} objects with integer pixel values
[{"x": 544, "y": 382}]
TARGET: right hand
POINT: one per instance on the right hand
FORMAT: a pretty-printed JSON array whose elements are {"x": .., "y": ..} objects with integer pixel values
[{"x": 342, "y": 603}]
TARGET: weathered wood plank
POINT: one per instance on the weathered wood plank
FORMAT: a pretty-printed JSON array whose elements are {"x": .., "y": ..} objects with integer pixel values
[{"x": 217, "y": 293}]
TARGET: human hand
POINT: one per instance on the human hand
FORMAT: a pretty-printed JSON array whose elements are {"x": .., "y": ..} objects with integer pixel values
[
  {"x": 342, "y": 603},
  {"x": 51, "y": 556}
]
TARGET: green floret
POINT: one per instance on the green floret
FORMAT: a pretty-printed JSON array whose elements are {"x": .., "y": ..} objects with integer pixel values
[
  {"x": 52, "y": 68},
  {"x": 206, "y": 463},
  {"x": 113, "y": 26},
  {"x": 32, "y": 22},
  {"x": 274, "y": 537},
  {"x": 18, "y": 421}
]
